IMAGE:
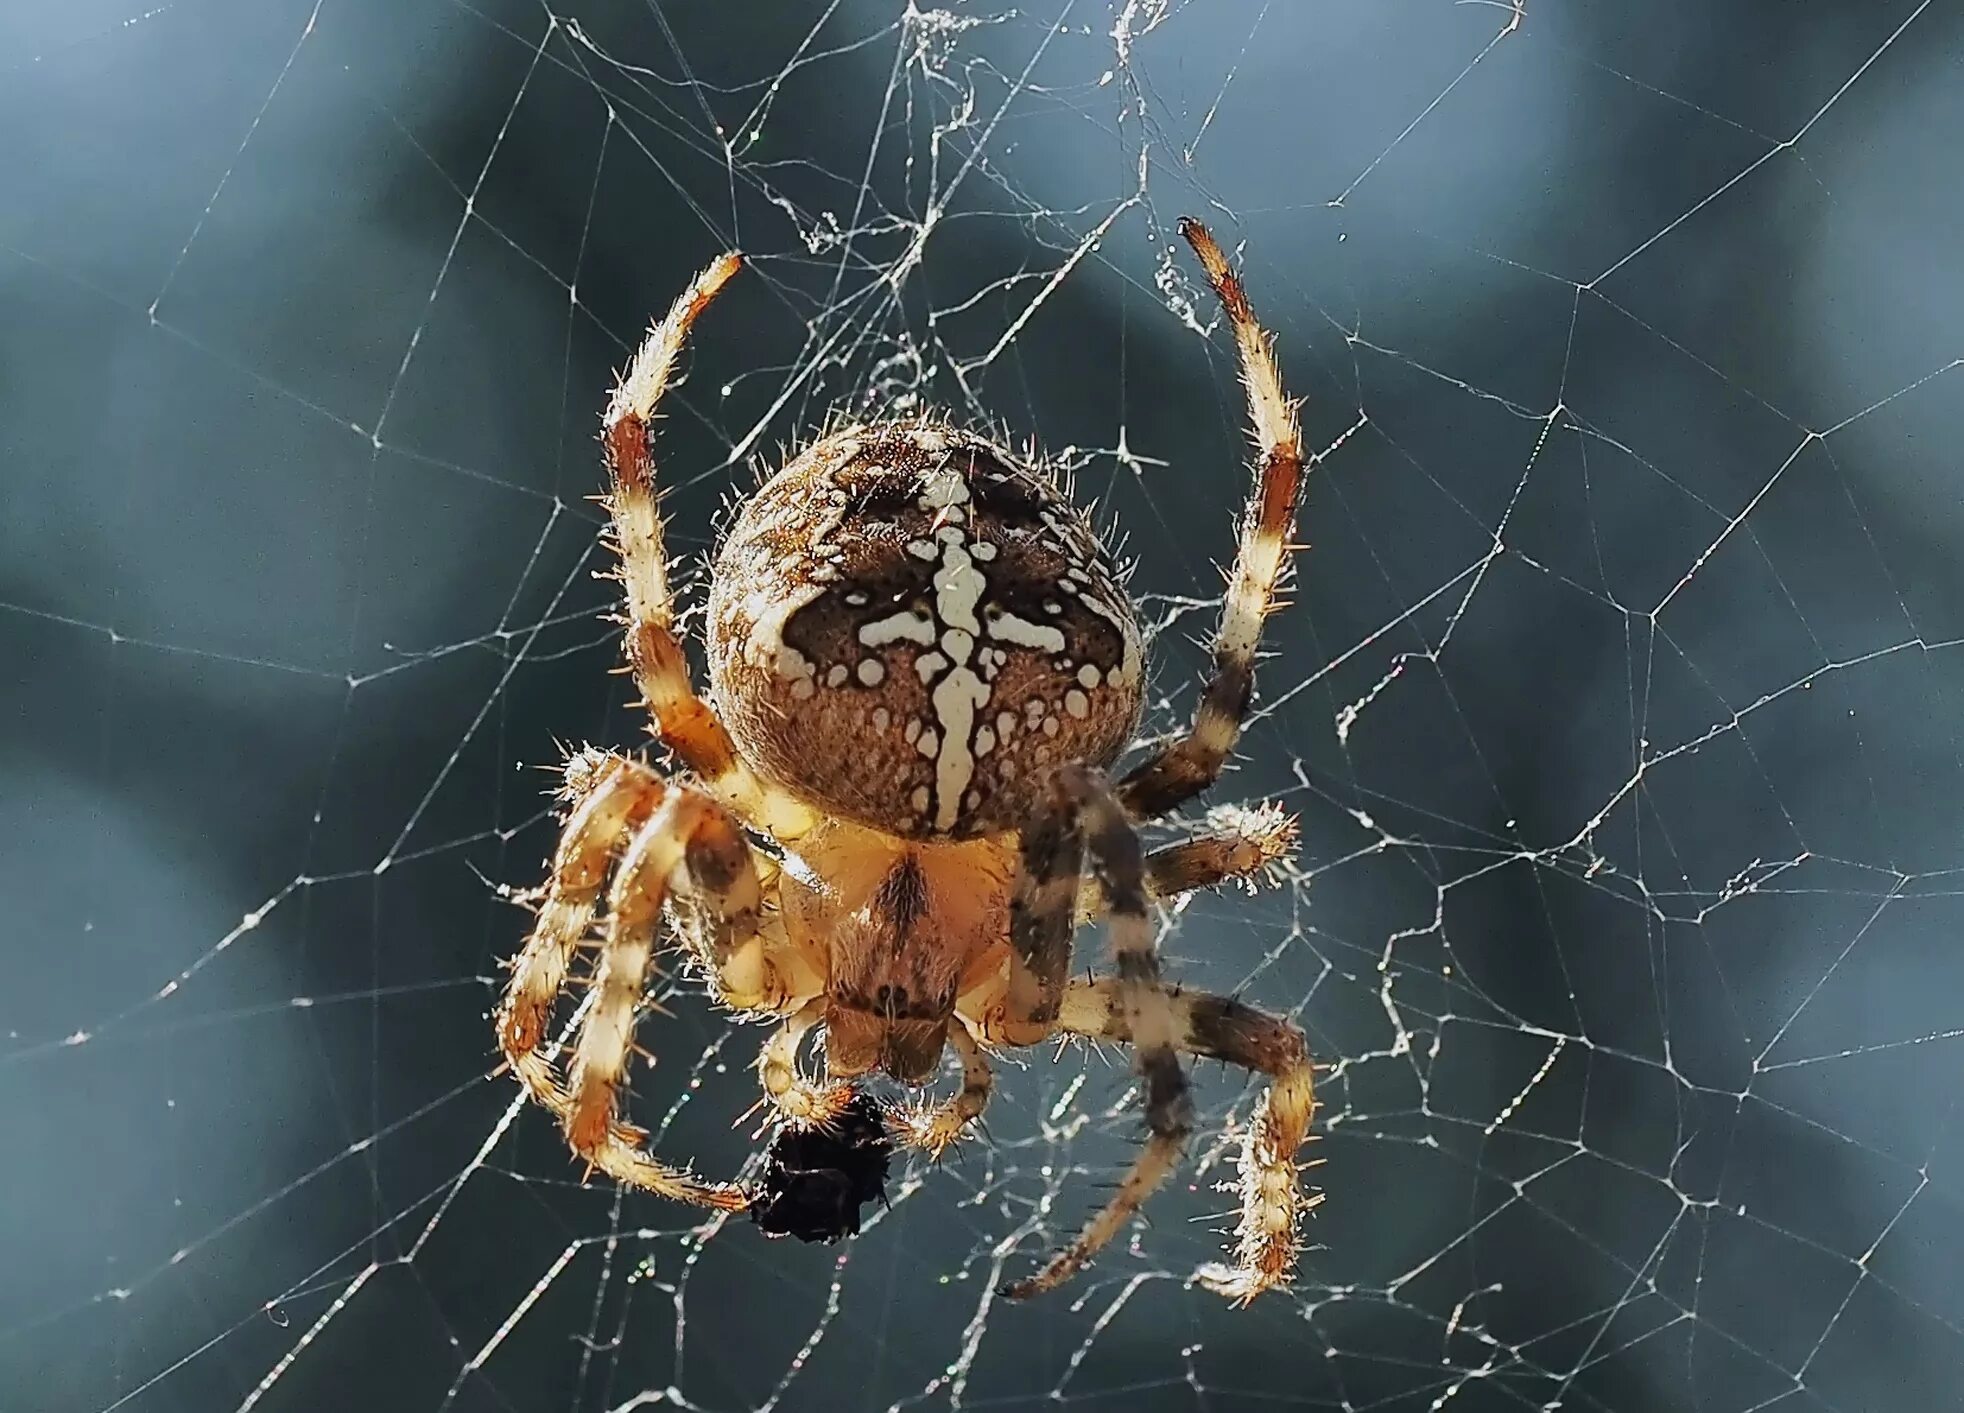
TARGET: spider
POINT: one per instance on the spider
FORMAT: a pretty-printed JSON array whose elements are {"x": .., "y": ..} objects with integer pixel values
[{"x": 922, "y": 664}]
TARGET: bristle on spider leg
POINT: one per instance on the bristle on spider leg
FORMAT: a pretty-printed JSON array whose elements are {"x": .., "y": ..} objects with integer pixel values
[
  {"x": 1149, "y": 1016},
  {"x": 590, "y": 1112},
  {"x": 1184, "y": 768}
]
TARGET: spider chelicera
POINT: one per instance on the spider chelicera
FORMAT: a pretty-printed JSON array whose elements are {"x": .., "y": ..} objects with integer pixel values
[{"x": 922, "y": 663}]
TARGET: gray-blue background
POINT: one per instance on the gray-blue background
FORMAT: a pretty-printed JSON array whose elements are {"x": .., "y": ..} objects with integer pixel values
[{"x": 1646, "y": 320}]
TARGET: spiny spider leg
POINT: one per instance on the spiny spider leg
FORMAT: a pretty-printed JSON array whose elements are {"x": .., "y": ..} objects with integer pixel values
[
  {"x": 1081, "y": 797},
  {"x": 686, "y": 723},
  {"x": 1267, "y": 1235},
  {"x": 1042, "y": 915},
  {"x": 1243, "y": 844},
  {"x": 590, "y": 1109},
  {"x": 611, "y": 797},
  {"x": 1183, "y": 768}
]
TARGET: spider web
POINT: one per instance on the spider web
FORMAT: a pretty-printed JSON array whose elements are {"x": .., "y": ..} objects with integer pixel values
[{"x": 1617, "y": 698}]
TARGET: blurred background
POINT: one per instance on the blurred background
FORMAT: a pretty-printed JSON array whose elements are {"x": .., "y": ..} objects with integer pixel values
[{"x": 1618, "y": 696}]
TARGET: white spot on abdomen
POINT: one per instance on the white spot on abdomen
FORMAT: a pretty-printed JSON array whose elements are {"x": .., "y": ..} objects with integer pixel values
[
  {"x": 957, "y": 699},
  {"x": 897, "y": 628},
  {"x": 1008, "y": 628}
]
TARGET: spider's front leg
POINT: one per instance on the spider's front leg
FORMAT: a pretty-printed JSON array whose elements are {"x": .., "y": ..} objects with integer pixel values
[
  {"x": 686, "y": 723},
  {"x": 1182, "y": 769},
  {"x": 682, "y": 828},
  {"x": 1267, "y": 1236},
  {"x": 610, "y": 797},
  {"x": 1082, "y": 812}
]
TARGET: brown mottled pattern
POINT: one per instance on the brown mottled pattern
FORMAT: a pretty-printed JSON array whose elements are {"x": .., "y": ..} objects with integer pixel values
[{"x": 846, "y": 535}]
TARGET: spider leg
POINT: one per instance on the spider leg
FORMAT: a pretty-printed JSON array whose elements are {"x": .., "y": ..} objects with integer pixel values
[
  {"x": 1081, "y": 797},
  {"x": 613, "y": 796},
  {"x": 935, "y": 1128},
  {"x": 1042, "y": 916},
  {"x": 1183, "y": 768},
  {"x": 1268, "y": 1236},
  {"x": 590, "y": 1114},
  {"x": 686, "y": 723},
  {"x": 1244, "y": 844},
  {"x": 718, "y": 900}
]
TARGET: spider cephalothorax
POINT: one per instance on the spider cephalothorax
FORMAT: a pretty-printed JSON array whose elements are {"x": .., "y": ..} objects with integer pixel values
[{"x": 922, "y": 663}]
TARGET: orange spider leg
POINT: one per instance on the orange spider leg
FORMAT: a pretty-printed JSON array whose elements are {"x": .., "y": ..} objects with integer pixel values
[
  {"x": 686, "y": 723},
  {"x": 1179, "y": 771},
  {"x": 1267, "y": 1235}
]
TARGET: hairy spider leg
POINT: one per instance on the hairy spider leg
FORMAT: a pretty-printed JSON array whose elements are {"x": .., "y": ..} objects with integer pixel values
[
  {"x": 1243, "y": 844},
  {"x": 1082, "y": 807},
  {"x": 593, "y": 1126},
  {"x": 606, "y": 1040},
  {"x": 1042, "y": 916},
  {"x": 614, "y": 798},
  {"x": 1268, "y": 1234},
  {"x": 681, "y": 847},
  {"x": 1184, "y": 767},
  {"x": 685, "y": 723}
]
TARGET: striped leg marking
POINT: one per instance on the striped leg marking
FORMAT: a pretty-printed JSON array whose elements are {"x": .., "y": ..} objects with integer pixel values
[
  {"x": 591, "y": 1118},
  {"x": 1187, "y": 766},
  {"x": 1247, "y": 845},
  {"x": 1042, "y": 915},
  {"x": 1268, "y": 1234},
  {"x": 612, "y": 797},
  {"x": 684, "y": 721},
  {"x": 1146, "y": 1009},
  {"x": 680, "y": 847}
]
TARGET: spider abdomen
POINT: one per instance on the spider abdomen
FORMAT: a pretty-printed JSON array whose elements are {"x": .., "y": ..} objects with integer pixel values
[{"x": 909, "y": 628}]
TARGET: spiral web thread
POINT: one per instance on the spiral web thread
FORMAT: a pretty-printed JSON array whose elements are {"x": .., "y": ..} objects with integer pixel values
[{"x": 1615, "y": 699}]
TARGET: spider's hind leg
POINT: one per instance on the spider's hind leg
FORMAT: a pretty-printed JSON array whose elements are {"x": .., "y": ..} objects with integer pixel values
[{"x": 686, "y": 724}]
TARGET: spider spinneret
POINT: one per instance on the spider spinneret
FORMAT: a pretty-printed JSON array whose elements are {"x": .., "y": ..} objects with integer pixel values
[{"x": 922, "y": 663}]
